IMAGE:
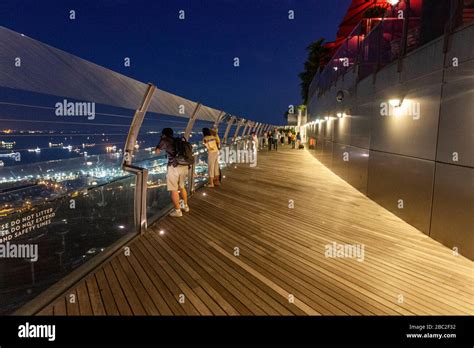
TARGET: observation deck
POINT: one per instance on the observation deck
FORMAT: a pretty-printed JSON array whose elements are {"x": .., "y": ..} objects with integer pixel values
[{"x": 282, "y": 268}]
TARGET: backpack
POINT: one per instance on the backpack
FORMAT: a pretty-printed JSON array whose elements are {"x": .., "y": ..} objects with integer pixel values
[{"x": 184, "y": 152}]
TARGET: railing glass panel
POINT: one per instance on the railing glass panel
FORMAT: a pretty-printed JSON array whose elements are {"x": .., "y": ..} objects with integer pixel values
[{"x": 45, "y": 240}]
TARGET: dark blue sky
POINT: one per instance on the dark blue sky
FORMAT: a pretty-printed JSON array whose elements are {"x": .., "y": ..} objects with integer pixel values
[{"x": 192, "y": 58}]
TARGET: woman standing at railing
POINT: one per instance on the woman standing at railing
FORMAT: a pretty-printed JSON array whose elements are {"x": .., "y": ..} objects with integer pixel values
[{"x": 211, "y": 143}]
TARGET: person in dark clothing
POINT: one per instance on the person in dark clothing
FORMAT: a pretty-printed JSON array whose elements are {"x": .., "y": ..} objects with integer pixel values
[
  {"x": 176, "y": 174},
  {"x": 270, "y": 140},
  {"x": 298, "y": 140}
]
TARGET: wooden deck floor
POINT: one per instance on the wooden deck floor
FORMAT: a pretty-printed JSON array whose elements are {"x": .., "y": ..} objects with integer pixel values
[{"x": 191, "y": 269}]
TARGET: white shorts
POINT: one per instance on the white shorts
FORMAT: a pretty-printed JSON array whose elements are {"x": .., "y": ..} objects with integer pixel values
[{"x": 176, "y": 177}]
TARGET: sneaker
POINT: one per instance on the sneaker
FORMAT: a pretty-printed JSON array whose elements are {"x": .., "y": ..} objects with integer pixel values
[
  {"x": 186, "y": 209},
  {"x": 176, "y": 213}
]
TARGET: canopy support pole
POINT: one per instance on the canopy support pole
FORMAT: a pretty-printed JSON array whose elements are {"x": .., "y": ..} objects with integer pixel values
[{"x": 141, "y": 174}]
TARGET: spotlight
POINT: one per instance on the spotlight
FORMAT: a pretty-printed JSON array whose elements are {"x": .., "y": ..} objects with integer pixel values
[{"x": 162, "y": 232}]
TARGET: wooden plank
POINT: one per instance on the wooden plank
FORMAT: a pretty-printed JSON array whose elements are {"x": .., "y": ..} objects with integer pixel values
[
  {"x": 230, "y": 287},
  {"x": 282, "y": 253},
  {"x": 59, "y": 307},
  {"x": 150, "y": 287},
  {"x": 108, "y": 301},
  {"x": 173, "y": 284},
  {"x": 120, "y": 298},
  {"x": 159, "y": 282},
  {"x": 142, "y": 295},
  {"x": 217, "y": 304},
  {"x": 184, "y": 289},
  {"x": 85, "y": 307},
  {"x": 95, "y": 296},
  {"x": 72, "y": 303},
  {"x": 127, "y": 287},
  {"x": 46, "y": 311},
  {"x": 261, "y": 300}
]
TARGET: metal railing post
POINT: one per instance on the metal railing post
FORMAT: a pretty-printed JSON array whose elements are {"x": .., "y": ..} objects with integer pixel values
[
  {"x": 191, "y": 178},
  {"x": 190, "y": 125},
  {"x": 254, "y": 128},
  {"x": 227, "y": 130},
  {"x": 236, "y": 133},
  {"x": 141, "y": 174},
  {"x": 246, "y": 127},
  {"x": 219, "y": 119}
]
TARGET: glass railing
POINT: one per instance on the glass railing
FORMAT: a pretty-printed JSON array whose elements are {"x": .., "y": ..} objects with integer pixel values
[
  {"x": 60, "y": 232},
  {"x": 72, "y": 210}
]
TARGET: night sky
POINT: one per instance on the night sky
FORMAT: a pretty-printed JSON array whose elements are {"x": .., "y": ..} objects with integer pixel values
[{"x": 192, "y": 57}]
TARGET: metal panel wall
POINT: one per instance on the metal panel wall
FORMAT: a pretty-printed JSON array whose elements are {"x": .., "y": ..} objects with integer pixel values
[
  {"x": 456, "y": 128},
  {"x": 411, "y": 129},
  {"x": 360, "y": 124},
  {"x": 393, "y": 178},
  {"x": 453, "y": 221},
  {"x": 403, "y": 149}
]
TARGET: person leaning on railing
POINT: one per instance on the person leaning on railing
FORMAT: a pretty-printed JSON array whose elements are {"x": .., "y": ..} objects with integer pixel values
[
  {"x": 211, "y": 143},
  {"x": 215, "y": 133},
  {"x": 176, "y": 174}
]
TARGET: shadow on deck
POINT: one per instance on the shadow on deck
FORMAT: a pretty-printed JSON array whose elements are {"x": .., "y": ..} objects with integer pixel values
[{"x": 191, "y": 268}]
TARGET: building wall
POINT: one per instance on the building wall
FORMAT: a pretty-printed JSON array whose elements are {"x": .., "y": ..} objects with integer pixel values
[{"x": 419, "y": 168}]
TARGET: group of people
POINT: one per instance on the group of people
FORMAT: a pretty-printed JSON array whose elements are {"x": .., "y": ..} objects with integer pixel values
[
  {"x": 272, "y": 138},
  {"x": 176, "y": 172}
]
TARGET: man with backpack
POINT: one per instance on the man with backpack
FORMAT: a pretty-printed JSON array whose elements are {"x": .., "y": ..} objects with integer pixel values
[{"x": 180, "y": 158}]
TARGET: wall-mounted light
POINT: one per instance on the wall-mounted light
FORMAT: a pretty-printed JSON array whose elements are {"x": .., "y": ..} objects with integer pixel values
[
  {"x": 326, "y": 118},
  {"x": 339, "y": 114}
]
